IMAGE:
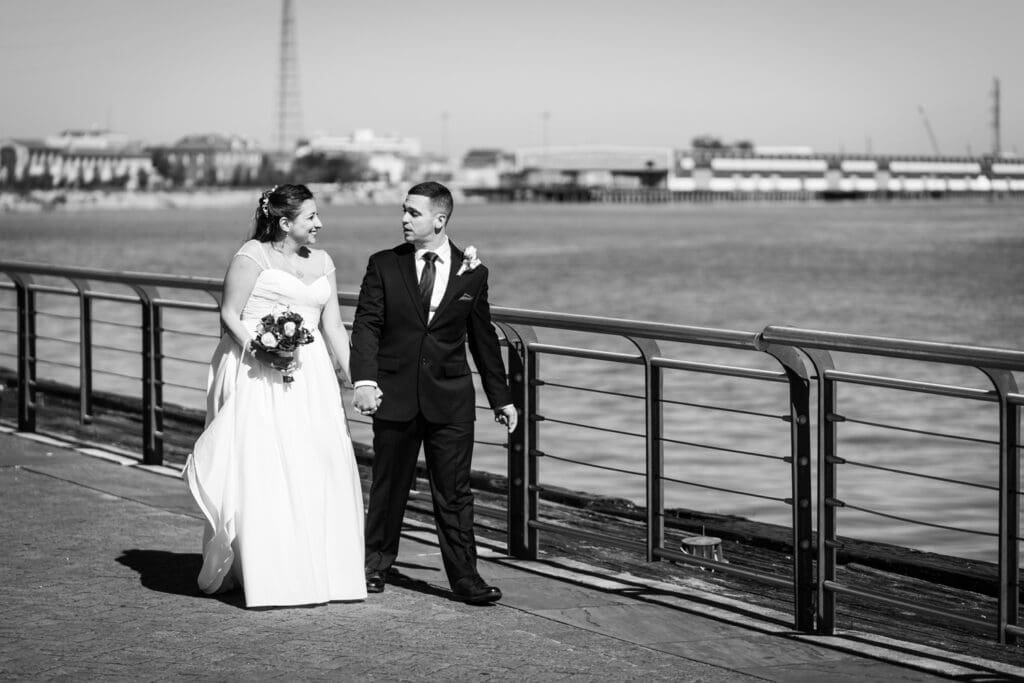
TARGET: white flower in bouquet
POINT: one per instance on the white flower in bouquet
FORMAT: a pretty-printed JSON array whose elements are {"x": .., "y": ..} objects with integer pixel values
[
  {"x": 268, "y": 340},
  {"x": 289, "y": 329}
]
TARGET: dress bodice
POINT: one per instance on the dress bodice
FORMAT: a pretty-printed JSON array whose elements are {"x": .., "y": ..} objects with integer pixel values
[{"x": 276, "y": 290}]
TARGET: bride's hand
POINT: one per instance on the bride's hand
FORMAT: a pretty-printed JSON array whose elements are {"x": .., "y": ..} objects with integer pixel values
[
  {"x": 366, "y": 399},
  {"x": 275, "y": 361}
]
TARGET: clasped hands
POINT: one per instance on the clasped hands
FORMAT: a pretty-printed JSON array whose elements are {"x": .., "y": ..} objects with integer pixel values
[{"x": 367, "y": 398}]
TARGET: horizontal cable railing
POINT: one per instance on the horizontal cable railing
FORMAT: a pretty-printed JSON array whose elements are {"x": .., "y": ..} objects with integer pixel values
[
  {"x": 919, "y": 475},
  {"x": 997, "y": 366},
  {"x": 658, "y": 372},
  {"x": 172, "y": 339},
  {"x": 922, "y": 432},
  {"x": 911, "y": 385},
  {"x": 723, "y": 489},
  {"x": 934, "y": 352},
  {"x": 933, "y": 525},
  {"x": 655, "y": 455}
]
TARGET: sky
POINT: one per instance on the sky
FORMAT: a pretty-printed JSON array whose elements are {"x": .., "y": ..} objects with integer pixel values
[{"x": 837, "y": 76}]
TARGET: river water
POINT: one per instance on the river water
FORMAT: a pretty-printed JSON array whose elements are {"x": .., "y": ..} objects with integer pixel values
[{"x": 938, "y": 271}]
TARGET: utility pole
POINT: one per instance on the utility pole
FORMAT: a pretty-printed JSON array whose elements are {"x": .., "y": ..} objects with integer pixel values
[
  {"x": 928, "y": 129},
  {"x": 444, "y": 135},
  {"x": 289, "y": 99},
  {"x": 997, "y": 145}
]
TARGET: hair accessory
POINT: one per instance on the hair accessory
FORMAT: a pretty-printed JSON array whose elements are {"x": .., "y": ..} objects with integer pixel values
[{"x": 265, "y": 200}]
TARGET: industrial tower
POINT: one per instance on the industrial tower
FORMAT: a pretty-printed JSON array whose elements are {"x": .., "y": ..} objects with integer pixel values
[
  {"x": 997, "y": 145},
  {"x": 289, "y": 98}
]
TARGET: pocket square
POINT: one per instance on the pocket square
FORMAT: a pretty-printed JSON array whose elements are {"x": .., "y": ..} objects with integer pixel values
[{"x": 465, "y": 297}]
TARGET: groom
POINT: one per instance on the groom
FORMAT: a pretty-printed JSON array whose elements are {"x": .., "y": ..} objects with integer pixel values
[{"x": 418, "y": 310}]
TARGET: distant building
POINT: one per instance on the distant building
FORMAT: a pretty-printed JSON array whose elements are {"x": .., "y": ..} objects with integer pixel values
[
  {"x": 604, "y": 166},
  {"x": 209, "y": 159},
  {"x": 431, "y": 166},
  {"x": 75, "y": 158},
  {"x": 486, "y": 168},
  {"x": 799, "y": 170},
  {"x": 84, "y": 140},
  {"x": 788, "y": 169},
  {"x": 389, "y": 157}
]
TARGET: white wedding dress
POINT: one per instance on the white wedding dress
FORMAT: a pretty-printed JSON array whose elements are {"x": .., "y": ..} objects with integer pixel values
[{"x": 274, "y": 471}]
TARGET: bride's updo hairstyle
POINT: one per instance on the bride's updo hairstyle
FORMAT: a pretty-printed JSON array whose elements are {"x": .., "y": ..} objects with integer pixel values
[{"x": 280, "y": 201}]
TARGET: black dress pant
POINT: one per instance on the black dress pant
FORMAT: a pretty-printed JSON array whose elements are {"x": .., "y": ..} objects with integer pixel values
[{"x": 448, "y": 449}]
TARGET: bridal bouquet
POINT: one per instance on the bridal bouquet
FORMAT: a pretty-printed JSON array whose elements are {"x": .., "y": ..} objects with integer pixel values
[{"x": 281, "y": 335}]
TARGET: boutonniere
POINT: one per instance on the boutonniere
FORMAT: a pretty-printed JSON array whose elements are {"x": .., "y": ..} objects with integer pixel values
[{"x": 469, "y": 260}]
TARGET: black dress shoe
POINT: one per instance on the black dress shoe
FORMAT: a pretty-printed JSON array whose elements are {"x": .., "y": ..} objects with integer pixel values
[
  {"x": 474, "y": 591},
  {"x": 375, "y": 582}
]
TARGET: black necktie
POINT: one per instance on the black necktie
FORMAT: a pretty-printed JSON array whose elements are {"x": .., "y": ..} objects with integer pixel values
[{"x": 427, "y": 281}]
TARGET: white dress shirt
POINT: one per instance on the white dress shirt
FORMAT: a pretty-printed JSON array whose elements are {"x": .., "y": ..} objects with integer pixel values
[{"x": 442, "y": 269}]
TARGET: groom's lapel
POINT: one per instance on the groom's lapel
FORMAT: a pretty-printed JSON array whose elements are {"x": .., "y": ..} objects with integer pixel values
[
  {"x": 407, "y": 265},
  {"x": 453, "y": 281}
]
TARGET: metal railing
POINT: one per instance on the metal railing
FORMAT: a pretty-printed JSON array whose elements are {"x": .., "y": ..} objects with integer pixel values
[
  {"x": 812, "y": 570},
  {"x": 526, "y": 452},
  {"x": 995, "y": 364}
]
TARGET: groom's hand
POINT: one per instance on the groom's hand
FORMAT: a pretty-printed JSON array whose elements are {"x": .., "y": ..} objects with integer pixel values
[
  {"x": 366, "y": 399},
  {"x": 507, "y": 416}
]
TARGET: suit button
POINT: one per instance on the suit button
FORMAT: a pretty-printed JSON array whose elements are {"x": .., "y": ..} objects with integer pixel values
[{"x": 426, "y": 361}]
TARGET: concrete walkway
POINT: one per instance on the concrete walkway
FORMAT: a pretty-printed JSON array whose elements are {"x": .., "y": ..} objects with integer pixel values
[{"x": 97, "y": 581}]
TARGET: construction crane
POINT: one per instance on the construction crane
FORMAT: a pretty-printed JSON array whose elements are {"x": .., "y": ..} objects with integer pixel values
[{"x": 928, "y": 128}]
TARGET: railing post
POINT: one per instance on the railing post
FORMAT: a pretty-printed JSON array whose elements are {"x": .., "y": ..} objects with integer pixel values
[
  {"x": 152, "y": 378},
  {"x": 654, "y": 446},
  {"x": 1009, "y": 505},
  {"x": 532, "y": 459},
  {"x": 800, "y": 483},
  {"x": 84, "y": 351},
  {"x": 655, "y": 411},
  {"x": 827, "y": 461},
  {"x": 26, "y": 352},
  {"x": 522, "y": 476}
]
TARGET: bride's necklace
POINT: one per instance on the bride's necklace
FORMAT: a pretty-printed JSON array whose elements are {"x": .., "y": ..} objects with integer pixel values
[{"x": 292, "y": 268}]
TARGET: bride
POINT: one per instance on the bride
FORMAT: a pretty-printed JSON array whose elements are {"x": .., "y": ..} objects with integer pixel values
[{"x": 274, "y": 471}]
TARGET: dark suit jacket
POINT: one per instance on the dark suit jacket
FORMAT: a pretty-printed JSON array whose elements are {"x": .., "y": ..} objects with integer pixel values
[{"x": 422, "y": 367}]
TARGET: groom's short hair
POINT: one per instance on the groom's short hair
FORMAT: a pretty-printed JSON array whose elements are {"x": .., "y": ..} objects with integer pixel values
[{"x": 440, "y": 197}]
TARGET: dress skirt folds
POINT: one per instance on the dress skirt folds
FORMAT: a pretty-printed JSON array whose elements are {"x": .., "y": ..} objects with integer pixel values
[{"x": 274, "y": 472}]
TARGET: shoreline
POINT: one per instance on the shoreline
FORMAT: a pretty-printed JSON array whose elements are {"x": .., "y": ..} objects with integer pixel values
[
  {"x": 381, "y": 194},
  {"x": 64, "y": 200}
]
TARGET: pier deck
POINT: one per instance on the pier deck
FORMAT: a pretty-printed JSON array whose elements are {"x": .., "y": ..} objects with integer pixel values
[{"x": 98, "y": 575}]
